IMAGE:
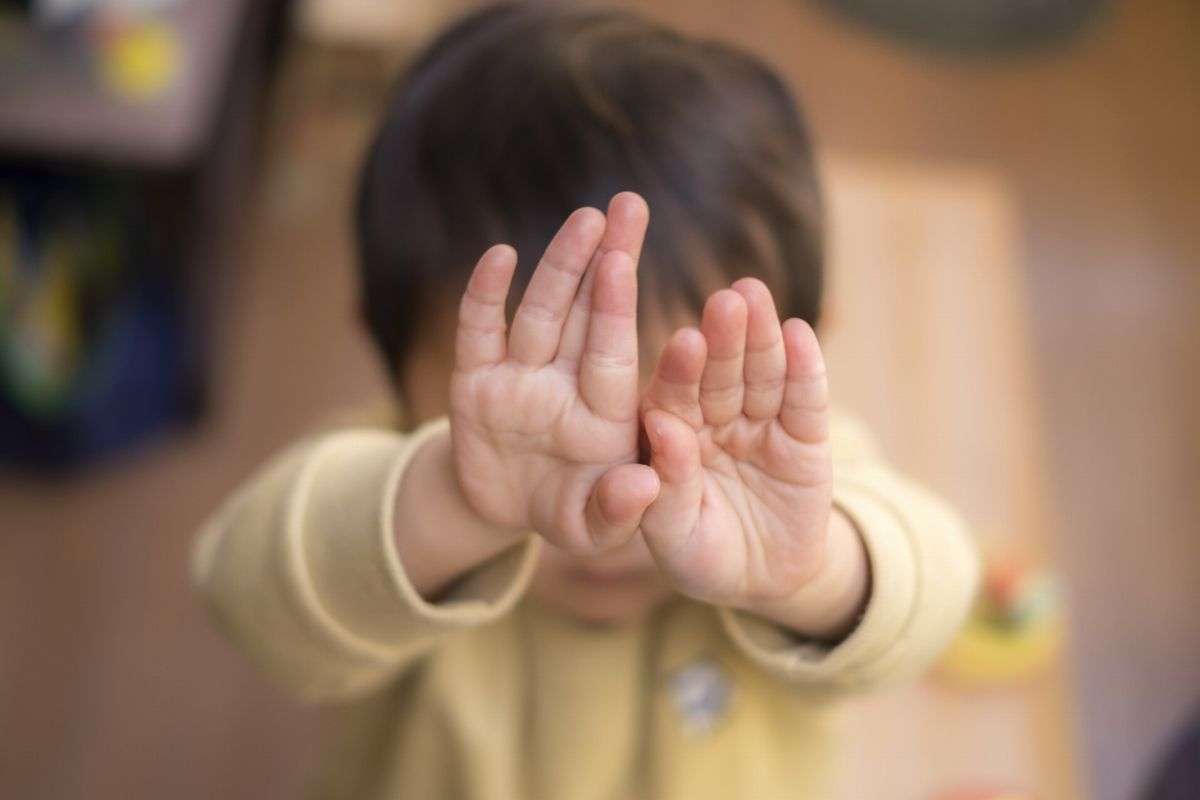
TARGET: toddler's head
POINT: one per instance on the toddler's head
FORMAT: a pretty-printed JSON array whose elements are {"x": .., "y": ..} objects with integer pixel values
[{"x": 521, "y": 113}]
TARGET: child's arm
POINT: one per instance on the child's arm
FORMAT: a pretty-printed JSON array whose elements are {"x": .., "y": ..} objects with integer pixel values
[
  {"x": 751, "y": 518},
  {"x": 326, "y": 566},
  {"x": 924, "y": 572}
]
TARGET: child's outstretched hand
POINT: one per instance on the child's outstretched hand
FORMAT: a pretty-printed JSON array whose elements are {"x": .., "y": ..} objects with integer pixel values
[
  {"x": 738, "y": 424},
  {"x": 544, "y": 418}
]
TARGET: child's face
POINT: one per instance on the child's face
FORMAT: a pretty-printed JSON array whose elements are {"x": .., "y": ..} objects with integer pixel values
[
  {"x": 620, "y": 585},
  {"x": 617, "y": 586}
]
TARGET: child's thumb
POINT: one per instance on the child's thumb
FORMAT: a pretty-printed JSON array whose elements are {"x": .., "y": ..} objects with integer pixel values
[
  {"x": 675, "y": 457},
  {"x": 619, "y": 498}
]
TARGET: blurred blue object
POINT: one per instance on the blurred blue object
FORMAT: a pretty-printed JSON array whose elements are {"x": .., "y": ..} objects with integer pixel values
[{"x": 91, "y": 337}]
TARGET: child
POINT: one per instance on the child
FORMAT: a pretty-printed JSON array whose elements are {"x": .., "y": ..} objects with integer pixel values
[{"x": 547, "y": 577}]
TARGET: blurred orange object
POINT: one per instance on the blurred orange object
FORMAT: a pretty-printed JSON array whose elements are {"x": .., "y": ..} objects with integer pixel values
[{"x": 1015, "y": 629}]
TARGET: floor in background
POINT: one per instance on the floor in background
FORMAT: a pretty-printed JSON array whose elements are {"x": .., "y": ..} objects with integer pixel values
[{"x": 112, "y": 685}]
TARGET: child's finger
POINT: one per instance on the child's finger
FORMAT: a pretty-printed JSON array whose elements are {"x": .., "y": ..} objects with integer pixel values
[
  {"x": 538, "y": 323},
  {"x": 765, "y": 365},
  {"x": 723, "y": 386},
  {"x": 805, "y": 411},
  {"x": 675, "y": 386},
  {"x": 620, "y": 497},
  {"x": 608, "y": 371},
  {"x": 481, "y": 314},
  {"x": 626, "y": 230},
  {"x": 675, "y": 456}
]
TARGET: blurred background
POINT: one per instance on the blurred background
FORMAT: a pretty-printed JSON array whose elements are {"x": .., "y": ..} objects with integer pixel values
[{"x": 1015, "y": 200}]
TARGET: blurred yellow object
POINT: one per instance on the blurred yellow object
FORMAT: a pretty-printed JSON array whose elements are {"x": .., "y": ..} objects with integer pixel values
[
  {"x": 140, "y": 59},
  {"x": 1015, "y": 630}
]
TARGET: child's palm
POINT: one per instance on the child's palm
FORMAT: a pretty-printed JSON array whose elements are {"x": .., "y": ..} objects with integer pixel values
[
  {"x": 738, "y": 424},
  {"x": 544, "y": 418}
]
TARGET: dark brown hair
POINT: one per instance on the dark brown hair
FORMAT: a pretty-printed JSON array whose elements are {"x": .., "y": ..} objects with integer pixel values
[{"x": 520, "y": 113}]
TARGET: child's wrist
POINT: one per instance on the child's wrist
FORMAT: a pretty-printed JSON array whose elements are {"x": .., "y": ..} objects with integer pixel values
[
  {"x": 439, "y": 535},
  {"x": 829, "y": 605},
  {"x": 476, "y": 523}
]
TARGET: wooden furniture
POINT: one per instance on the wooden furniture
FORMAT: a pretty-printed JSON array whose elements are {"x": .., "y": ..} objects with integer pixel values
[{"x": 927, "y": 340}]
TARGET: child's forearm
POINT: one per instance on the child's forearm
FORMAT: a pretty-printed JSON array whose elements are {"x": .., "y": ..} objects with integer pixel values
[
  {"x": 438, "y": 535},
  {"x": 828, "y": 606}
]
